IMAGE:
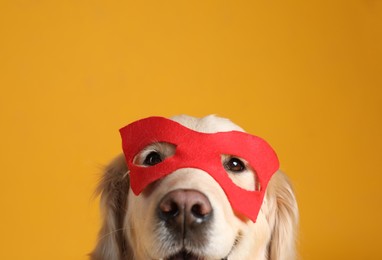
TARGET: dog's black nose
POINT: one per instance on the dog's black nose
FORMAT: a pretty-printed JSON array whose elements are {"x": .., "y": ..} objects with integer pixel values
[{"x": 185, "y": 210}]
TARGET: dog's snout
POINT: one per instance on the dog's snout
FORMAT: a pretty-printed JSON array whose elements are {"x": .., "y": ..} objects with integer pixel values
[{"x": 184, "y": 209}]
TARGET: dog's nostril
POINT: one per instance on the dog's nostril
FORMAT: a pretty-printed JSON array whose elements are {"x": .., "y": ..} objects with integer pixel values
[
  {"x": 200, "y": 210},
  {"x": 168, "y": 209}
]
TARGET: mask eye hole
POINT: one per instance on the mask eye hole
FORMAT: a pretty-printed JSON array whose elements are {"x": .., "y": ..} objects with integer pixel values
[
  {"x": 240, "y": 172},
  {"x": 234, "y": 165},
  {"x": 152, "y": 159},
  {"x": 154, "y": 154}
]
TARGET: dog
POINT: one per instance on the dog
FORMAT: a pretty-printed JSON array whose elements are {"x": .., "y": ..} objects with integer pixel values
[{"x": 186, "y": 214}]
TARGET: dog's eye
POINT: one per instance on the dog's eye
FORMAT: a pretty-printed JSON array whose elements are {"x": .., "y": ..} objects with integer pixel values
[
  {"x": 152, "y": 159},
  {"x": 235, "y": 165}
]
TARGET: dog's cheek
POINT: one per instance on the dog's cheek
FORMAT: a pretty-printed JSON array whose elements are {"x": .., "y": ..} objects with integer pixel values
[
  {"x": 139, "y": 224},
  {"x": 133, "y": 223}
]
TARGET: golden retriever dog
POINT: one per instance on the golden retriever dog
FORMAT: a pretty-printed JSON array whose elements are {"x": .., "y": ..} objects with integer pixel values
[{"x": 187, "y": 215}]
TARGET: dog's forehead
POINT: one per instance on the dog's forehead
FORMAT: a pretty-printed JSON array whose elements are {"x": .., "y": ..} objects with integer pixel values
[{"x": 207, "y": 124}]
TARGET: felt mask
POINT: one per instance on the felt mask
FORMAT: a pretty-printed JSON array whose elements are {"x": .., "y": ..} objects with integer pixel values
[{"x": 202, "y": 151}]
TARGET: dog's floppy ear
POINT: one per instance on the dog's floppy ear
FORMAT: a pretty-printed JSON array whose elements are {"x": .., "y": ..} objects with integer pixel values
[
  {"x": 113, "y": 188},
  {"x": 283, "y": 218}
]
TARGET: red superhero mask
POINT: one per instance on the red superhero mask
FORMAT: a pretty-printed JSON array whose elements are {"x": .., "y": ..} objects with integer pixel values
[{"x": 202, "y": 151}]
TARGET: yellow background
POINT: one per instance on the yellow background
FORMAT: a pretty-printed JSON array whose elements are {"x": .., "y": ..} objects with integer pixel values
[{"x": 305, "y": 75}]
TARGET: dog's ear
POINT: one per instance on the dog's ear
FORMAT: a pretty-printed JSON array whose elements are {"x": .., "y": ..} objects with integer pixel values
[
  {"x": 283, "y": 218},
  {"x": 113, "y": 190}
]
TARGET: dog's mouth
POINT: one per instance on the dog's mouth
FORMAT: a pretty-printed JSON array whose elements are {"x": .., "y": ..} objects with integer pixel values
[{"x": 185, "y": 255}]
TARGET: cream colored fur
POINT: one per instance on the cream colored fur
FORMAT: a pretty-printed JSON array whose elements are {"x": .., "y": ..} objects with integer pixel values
[{"x": 128, "y": 220}]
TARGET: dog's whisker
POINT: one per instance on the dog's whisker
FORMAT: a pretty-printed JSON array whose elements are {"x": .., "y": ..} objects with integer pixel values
[
  {"x": 126, "y": 174},
  {"x": 112, "y": 232}
]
